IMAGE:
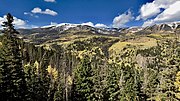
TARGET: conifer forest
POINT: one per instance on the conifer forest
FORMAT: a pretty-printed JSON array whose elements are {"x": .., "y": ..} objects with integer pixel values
[{"x": 81, "y": 64}]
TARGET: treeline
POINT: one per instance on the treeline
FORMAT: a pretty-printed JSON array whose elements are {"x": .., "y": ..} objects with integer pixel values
[{"x": 35, "y": 74}]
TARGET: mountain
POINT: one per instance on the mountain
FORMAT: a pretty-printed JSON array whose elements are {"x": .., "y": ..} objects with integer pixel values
[
  {"x": 47, "y": 33},
  {"x": 54, "y": 32},
  {"x": 163, "y": 28}
]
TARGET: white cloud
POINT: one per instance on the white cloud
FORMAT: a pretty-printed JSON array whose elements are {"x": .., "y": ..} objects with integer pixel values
[
  {"x": 88, "y": 24},
  {"x": 36, "y": 10},
  {"x": 148, "y": 23},
  {"x": 122, "y": 19},
  {"x": 26, "y": 13},
  {"x": 148, "y": 10},
  {"x": 47, "y": 11},
  {"x": 30, "y": 14},
  {"x": 152, "y": 9},
  {"x": 19, "y": 23},
  {"x": 164, "y": 3},
  {"x": 100, "y": 25},
  {"x": 50, "y": 0},
  {"x": 170, "y": 14}
]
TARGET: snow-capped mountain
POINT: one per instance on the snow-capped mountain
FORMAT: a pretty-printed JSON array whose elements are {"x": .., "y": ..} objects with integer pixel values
[
  {"x": 55, "y": 31},
  {"x": 77, "y": 27},
  {"x": 59, "y": 28}
]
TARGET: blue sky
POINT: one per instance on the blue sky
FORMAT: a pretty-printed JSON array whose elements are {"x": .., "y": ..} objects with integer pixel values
[{"x": 111, "y": 13}]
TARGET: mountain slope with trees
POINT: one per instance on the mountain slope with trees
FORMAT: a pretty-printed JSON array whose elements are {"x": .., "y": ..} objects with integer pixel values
[{"x": 79, "y": 65}]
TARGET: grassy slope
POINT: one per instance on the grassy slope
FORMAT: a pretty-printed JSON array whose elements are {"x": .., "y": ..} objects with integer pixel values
[{"x": 141, "y": 42}]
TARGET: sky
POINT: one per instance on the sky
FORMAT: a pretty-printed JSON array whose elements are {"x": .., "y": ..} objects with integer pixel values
[{"x": 96, "y": 13}]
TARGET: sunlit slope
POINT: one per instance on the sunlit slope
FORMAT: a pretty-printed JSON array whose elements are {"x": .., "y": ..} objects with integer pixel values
[
  {"x": 80, "y": 40},
  {"x": 141, "y": 42}
]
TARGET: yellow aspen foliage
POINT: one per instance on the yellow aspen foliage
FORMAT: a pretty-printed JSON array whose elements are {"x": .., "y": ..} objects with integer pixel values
[
  {"x": 26, "y": 65},
  {"x": 53, "y": 72},
  {"x": 69, "y": 80},
  {"x": 36, "y": 65}
]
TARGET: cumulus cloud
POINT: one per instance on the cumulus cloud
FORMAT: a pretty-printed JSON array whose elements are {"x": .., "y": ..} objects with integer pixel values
[
  {"x": 148, "y": 10},
  {"x": 122, "y": 19},
  {"x": 152, "y": 9},
  {"x": 50, "y": 0},
  {"x": 47, "y": 11},
  {"x": 19, "y": 23},
  {"x": 88, "y": 24},
  {"x": 99, "y": 25},
  {"x": 148, "y": 23},
  {"x": 170, "y": 14}
]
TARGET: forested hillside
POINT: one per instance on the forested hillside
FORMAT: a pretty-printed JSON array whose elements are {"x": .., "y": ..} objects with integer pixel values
[{"x": 88, "y": 66}]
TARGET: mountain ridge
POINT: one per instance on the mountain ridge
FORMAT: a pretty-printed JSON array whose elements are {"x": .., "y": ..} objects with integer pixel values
[
  {"x": 54, "y": 32},
  {"x": 172, "y": 27}
]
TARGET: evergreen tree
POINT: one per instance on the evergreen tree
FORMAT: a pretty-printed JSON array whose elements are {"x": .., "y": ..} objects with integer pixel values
[
  {"x": 100, "y": 69},
  {"x": 58, "y": 96},
  {"x": 83, "y": 81},
  {"x": 130, "y": 83},
  {"x": 112, "y": 88},
  {"x": 13, "y": 85},
  {"x": 167, "y": 66},
  {"x": 43, "y": 81},
  {"x": 32, "y": 83}
]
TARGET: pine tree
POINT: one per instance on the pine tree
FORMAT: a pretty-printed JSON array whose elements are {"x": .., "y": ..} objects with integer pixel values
[
  {"x": 43, "y": 81},
  {"x": 112, "y": 89},
  {"x": 32, "y": 83},
  {"x": 83, "y": 81},
  {"x": 13, "y": 85},
  {"x": 130, "y": 83},
  {"x": 167, "y": 65},
  {"x": 100, "y": 69}
]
